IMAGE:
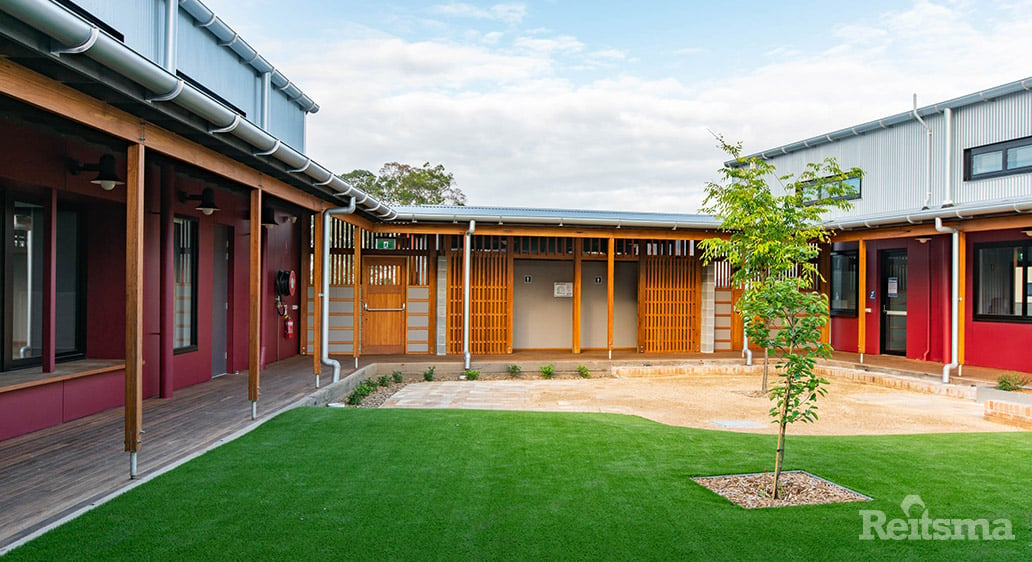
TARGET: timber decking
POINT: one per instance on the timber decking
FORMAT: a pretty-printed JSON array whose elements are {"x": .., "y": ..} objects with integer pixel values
[{"x": 48, "y": 474}]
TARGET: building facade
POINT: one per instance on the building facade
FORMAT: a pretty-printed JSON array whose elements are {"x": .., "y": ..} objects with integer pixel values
[
  {"x": 966, "y": 166},
  {"x": 163, "y": 225}
]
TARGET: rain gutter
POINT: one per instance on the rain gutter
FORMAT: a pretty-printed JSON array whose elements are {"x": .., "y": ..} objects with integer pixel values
[{"x": 69, "y": 29}]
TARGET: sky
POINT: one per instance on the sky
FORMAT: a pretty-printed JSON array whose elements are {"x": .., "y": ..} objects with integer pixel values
[{"x": 614, "y": 105}]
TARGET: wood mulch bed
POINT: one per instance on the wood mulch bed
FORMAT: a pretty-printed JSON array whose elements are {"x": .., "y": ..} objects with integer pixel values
[{"x": 797, "y": 488}]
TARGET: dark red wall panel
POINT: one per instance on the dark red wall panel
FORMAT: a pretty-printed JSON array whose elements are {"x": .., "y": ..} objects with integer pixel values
[
  {"x": 29, "y": 409},
  {"x": 843, "y": 333},
  {"x": 89, "y": 395},
  {"x": 1002, "y": 345},
  {"x": 105, "y": 284}
]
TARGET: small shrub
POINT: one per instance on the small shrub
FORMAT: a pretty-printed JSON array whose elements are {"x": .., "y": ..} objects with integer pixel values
[
  {"x": 547, "y": 371},
  {"x": 428, "y": 374},
  {"x": 364, "y": 388},
  {"x": 1011, "y": 382},
  {"x": 397, "y": 376},
  {"x": 383, "y": 380},
  {"x": 583, "y": 372},
  {"x": 472, "y": 375},
  {"x": 514, "y": 370}
]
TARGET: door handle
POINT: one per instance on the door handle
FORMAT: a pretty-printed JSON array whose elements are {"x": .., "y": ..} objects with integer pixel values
[{"x": 367, "y": 309}]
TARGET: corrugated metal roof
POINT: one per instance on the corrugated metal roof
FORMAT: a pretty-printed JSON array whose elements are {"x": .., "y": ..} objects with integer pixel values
[{"x": 526, "y": 215}]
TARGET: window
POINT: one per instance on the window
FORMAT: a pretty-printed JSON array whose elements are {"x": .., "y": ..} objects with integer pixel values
[
  {"x": 1000, "y": 159},
  {"x": 22, "y": 273},
  {"x": 844, "y": 283},
  {"x": 185, "y": 330},
  {"x": 813, "y": 191},
  {"x": 1003, "y": 282}
]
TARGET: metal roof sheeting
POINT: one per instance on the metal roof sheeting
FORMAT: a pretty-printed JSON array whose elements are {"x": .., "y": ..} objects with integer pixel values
[{"x": 558, "y": 217}]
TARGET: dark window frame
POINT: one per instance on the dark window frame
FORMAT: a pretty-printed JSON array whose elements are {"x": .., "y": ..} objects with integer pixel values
[
  {"x": 197, "y": 84},
  {"x": 820, "y": 196},
  {"x": 854, "y": 257},
  {"x": 194, "y": 225},
  {"x": 1026, "y": 303},
  {"x": 80, "y": 297},
  {"x": 1002, "y": 148},
  {"x": 86, "y": 15}
]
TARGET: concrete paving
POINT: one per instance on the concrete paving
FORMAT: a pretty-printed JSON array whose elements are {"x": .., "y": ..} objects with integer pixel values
[{"x": 710, "y": 402}]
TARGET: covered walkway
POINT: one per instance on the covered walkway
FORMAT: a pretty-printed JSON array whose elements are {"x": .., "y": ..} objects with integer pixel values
[{"x": 54, "y": 472}]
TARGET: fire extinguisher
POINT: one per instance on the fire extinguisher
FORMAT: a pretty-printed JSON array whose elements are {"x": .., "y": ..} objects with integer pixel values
[{"x": 288, "y": 327}]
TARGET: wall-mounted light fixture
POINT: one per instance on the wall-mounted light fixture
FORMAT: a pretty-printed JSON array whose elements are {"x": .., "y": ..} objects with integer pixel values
[
  {"x": 269, "y": 217},
  {"x": 207, "y": 200},
  {"x": 107, "y": 175},
  {"x": 1027, "y": 232},
  {"x": 923, "y": 239}
]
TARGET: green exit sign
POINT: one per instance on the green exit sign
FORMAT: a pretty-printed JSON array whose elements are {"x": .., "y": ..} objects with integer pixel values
[{"x": 386, "y": 244}]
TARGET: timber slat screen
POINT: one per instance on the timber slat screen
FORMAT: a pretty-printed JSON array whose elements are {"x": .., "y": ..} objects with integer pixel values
[
  {"x": 668, "y": 298},
  {"x": 491, "y": 311},
  {"x": 418, "y": 250}
]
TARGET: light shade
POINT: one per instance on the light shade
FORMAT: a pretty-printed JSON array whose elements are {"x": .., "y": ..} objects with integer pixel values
[
  {"x": 269, "y": 217},
  {"x": 206, "y": 200},
  {"x": 107, "y": 175}
]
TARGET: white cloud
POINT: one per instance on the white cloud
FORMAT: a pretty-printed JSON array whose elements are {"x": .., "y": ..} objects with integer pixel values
[
  {"x": 515, "y": 131},
  {"x": 507, "y": 13}
]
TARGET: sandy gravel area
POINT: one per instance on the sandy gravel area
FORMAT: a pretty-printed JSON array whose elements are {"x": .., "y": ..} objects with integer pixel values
[{"x": 725, "y": 402}]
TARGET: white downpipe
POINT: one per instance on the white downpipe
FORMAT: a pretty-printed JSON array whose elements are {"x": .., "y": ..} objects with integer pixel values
[
  {"x": 132, "y": 465},
  {"x": 955, "y": 299},
  {"x": 266, "y": 88},
  {"x": 466, "y": 254},
  {"x": 948, "y": 116},
  {"x": 324, "y": 296},
  {"x": 171, "y": 19},
  {"x": 928, "y": 156}
]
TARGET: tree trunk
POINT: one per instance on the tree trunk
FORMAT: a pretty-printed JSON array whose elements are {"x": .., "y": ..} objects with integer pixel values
[
  {"x": 766, "y": 363},
  {"x": 779, "y": 456}
]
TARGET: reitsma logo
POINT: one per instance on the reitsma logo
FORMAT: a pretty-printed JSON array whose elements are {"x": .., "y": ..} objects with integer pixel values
[{"x": 923, "y": 528}]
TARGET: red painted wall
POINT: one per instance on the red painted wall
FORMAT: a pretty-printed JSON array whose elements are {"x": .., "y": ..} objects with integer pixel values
[
  {"x": 29, "y": 409},
  {"x": 282, "y": 252},
  {"x": 105, "y": 280},
  {"x": 1002, "y": 345},
  {"x": 927, "y": 299}
]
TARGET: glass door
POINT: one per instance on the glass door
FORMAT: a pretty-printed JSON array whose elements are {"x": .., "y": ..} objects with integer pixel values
[{"x": 894, "y": 302}]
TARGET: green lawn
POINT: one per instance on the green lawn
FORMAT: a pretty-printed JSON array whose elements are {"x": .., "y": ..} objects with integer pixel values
[{"x": 402, "y": 484}]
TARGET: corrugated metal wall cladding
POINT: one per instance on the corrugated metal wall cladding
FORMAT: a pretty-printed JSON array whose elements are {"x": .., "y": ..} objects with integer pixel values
[
  {"x": 894, "y": 161},
  {"x": 286, "y": 120},
  {"x": 987, "y": 123},
  {"x": 141, "y": 22},
  {"x": 216, "y": 68}
]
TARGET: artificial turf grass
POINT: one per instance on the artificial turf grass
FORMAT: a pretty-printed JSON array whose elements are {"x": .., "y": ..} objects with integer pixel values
[{"x": 436, "y": 484}]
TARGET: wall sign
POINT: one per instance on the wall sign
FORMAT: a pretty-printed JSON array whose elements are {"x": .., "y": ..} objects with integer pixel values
[
  {"x": 386, "y": 243},
  {"x": 563, "y": 290}
]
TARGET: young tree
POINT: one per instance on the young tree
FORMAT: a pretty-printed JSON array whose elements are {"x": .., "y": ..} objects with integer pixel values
[
  {"x": 772, "y": 246},
  {"x": 402, "y": 184}
]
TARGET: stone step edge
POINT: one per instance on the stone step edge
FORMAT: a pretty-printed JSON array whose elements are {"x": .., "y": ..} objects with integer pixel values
[{"x": 899, "y": 382}]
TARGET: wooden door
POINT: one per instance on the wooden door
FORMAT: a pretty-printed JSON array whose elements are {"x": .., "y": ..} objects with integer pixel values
[{"x": 384, "y": 283}]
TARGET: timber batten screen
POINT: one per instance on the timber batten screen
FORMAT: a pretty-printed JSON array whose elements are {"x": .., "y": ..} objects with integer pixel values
[
  {"x": 668, "y": 299},
  {"x": 491, "y": 310}
]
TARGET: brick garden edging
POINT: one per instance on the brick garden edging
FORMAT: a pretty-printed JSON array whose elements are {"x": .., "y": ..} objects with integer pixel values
[
  {"x": 853, "y": 375},
  {"x": 1009, "y": 412}
]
